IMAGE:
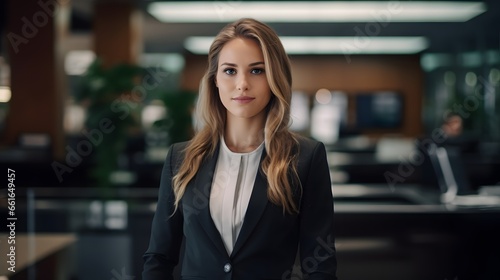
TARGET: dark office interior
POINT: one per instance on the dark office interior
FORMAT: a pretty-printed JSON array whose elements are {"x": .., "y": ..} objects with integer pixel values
[{"x": 92, "y": 94}]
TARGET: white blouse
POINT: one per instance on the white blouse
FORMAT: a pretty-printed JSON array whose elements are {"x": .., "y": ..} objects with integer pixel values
[{"x": 231, "y": 190}]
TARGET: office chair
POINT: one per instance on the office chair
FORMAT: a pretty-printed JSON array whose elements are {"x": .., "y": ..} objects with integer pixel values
[{"x": 453, "y": 179}]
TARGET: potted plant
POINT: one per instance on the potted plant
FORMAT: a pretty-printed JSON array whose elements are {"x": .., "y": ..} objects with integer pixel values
[{"x": 102, "y": 90}]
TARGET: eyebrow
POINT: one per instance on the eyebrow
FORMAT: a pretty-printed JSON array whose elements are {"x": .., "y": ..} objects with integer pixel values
[{"x": 234, "y": 65}]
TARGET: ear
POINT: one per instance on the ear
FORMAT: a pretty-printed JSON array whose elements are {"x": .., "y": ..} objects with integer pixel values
[{"x": 215, "y": 81}]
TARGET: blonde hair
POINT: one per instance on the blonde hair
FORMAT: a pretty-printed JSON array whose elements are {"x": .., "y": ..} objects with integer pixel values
[{"x": 279, "y": 164}]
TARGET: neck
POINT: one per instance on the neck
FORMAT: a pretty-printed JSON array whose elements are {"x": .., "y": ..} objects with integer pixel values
[{"x": 244, "y": 135}]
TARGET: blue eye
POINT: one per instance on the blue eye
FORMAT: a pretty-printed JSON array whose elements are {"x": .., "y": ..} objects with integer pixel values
[
  {"x": 257, "y": 71},
  {"x": 230, "y": 71}
]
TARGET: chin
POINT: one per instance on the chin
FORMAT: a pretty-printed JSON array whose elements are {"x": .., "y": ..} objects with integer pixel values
[{"x": 243, "y": 115}]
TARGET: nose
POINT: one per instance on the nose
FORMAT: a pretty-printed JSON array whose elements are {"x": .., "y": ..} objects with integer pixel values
[{"x": 242, "y": 83}]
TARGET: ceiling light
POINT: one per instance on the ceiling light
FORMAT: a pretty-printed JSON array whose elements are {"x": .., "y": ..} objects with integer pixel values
[
  {"x": 317, "y": 11},
  {"x": 332, "y": 45}
]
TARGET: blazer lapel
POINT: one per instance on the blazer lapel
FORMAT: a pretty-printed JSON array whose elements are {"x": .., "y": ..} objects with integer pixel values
[
  {"x": 201, "y": 189},
  {"x": 256, "y": 206}
]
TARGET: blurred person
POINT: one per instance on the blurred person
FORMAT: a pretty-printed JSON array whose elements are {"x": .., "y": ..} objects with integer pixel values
[
  {"x": 455, "y": 136},
  {"x": 245, "y": 194},
  {"x": 452, "y": 125}
]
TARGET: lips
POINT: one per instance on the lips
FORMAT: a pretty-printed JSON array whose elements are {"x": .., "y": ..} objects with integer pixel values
[{"x": 243, "y": 99}]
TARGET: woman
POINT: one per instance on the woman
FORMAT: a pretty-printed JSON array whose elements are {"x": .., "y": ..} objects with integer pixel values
[{"x": 245, "y": 193}]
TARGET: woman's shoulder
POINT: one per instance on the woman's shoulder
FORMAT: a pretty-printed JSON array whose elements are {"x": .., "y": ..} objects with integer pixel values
[
  {"x": 310, "y": 157},
  {"x": 308, "y": 145},
  {"x": 179, "y": 147},
  {"x": 176, "y": 153}
]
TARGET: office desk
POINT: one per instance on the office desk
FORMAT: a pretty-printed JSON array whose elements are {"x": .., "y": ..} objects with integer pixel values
[
  {"x": 37, "y": 248},
  {"x": 403, "y": 233}
]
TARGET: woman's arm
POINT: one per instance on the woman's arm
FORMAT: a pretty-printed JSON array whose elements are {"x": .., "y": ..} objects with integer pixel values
[
  {"x": 166, "y": 231},
  {"x": 317, "y": 240}
]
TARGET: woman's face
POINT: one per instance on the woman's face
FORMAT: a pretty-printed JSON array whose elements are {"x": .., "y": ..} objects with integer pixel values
[{"x": 241, "y": 79}]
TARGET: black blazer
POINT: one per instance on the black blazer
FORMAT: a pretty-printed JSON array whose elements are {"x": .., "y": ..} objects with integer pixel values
[{"x": 267, "y": 245}]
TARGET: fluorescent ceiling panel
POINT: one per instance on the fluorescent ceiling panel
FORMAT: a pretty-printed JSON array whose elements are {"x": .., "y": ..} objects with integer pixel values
[
  {"x": 317, "y": 11},
  {"x": 332, "y": 45}
]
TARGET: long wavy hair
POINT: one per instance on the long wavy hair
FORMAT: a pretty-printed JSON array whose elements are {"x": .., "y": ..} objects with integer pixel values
[{"x": 279, "y": 163}]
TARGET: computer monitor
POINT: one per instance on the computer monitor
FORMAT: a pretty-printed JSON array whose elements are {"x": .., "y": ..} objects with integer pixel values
[
  {"x": 450, "y": 171},
  {"x": 379, "y": 110}
]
